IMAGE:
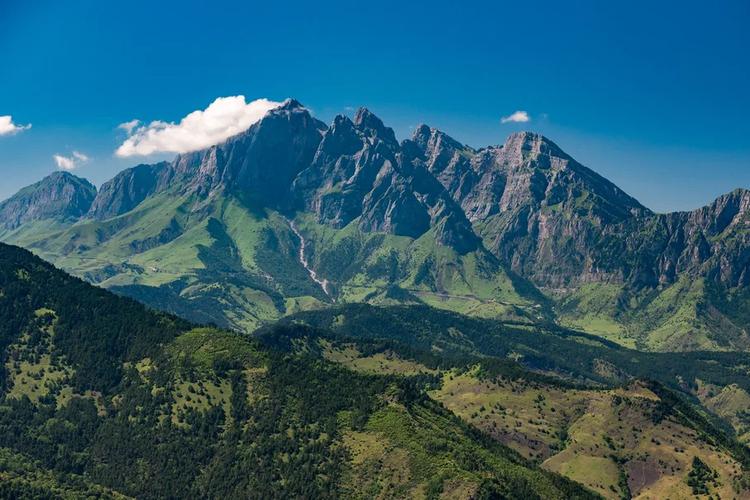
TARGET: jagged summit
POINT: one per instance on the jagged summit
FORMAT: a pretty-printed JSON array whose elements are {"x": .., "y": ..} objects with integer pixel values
[
  {"x": 60, "y": 197},
  {"x": 372, "y": 126},
  {"x": 433, "y": 139},
  {"x": 524, "y": 142},
  {"x": 291, "y": 103}
]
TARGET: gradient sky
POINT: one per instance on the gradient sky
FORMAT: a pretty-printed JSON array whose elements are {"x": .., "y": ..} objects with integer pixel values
[{"x": 653, "y": 95}]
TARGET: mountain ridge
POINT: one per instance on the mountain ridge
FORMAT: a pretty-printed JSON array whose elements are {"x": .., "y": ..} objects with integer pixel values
[{"x": 432, "y": 216}]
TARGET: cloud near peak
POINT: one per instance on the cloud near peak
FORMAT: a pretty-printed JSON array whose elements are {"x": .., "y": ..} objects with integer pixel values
[
  {"x": 71, "y": 162},
  {"x": 517, "y": 117},
  {"x": 223, "y": 118},
  {"x": 7, "y": 127}
]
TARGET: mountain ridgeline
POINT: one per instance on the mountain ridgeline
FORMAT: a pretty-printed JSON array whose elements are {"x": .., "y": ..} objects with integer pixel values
[{"x": 519, "y": 232}]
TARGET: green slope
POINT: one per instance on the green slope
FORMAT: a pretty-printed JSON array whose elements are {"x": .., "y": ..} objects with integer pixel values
[
  {"x": 689, "y": 315},
  {"x": 128, "y": 401},
  {"x": 226, "y": 261},
  {"x": 619, "y": 421}
]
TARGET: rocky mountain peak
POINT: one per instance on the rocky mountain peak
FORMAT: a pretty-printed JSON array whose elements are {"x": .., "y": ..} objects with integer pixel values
[
  {"x": 260, "y": 162},
  {"x": 434, "y": 142},
  {"x": 291, "y": 104},
  {"x": 421, "y": 135},
  {"x": 61, "y": 196},
  {"x": 520, "y": 146},
  {"x": 127, "y": 190},
  {"x": 373, "y": 127},
  {"x": 728, "y": 210}
]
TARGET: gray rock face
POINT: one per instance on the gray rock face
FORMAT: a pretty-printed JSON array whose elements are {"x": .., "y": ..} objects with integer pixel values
[
  {"x": 533, "y": 205},
  {"x": 259, "y": 163},
  {"x": 60, "y": 196},
  {"x": 711, "y": 242},
  {"x": 127, "y": 190},
  {"x": 361, "y": 171}
]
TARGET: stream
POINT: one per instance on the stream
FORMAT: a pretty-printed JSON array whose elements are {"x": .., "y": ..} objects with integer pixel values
[{"x": 303, "y": 260}]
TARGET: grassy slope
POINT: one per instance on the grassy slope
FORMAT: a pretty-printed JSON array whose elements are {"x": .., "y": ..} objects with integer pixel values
[
  {"x": 210, "y": 261},
  {"x": 201, "y": 412},
  {"x": 387, "y": 269},
  {"x": 689, "y": 315},
  {"x": 591, "y": 436},
  {"x": 618, "y": 440},
  {"x": 224, "y": 261}
]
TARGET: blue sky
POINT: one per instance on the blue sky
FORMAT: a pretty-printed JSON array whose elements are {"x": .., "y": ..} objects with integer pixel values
[{"x": 653, "y": 95}]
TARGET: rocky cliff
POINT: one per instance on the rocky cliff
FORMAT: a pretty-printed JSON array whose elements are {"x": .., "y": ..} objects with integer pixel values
[{"x": 60, "y": 196}]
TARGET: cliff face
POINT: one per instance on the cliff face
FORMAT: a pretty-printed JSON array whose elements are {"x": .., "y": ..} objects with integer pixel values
[
  {"x": 126, "y": 190},
  {"x": 61, "y": 196},
  {"x": 360, "y": 170}
]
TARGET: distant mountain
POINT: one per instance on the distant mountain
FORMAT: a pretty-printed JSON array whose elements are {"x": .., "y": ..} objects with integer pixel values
[
  {"x": 518, "y": 231},
  {"x": 59, "y": 197},
  {"x": 128, "y": 188}
]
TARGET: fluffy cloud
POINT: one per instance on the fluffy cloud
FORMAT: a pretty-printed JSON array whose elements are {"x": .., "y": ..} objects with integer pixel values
[
  {"x": 7, "y": 127},
  {"x": 517, "y": 117},
  {"x": 223, "y": 118},
  {"x": 70, "y": 162}
]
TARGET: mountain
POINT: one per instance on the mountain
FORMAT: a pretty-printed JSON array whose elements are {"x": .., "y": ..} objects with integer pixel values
[
  {"x": 102, "y": 397},
  {"x": 292, "y": 214},
  {"x": 128, "y": 189},
  {"x": 656, "y": 281},
  {"x": 57, "y": 199},
  {"x": 215, "y": 236}
]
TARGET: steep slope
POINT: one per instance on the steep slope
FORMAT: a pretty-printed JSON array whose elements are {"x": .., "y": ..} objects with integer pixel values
[
  {"x": 624, "y": 423},
  {"x": 657, "y": 281},
  {"x": 126, "y": 190},
  {"x": 60, "y": 198},
  {"x": 532, "y": 204},
  {"x": 684, "y": 283},
  {"x": 101, "y": 396}
]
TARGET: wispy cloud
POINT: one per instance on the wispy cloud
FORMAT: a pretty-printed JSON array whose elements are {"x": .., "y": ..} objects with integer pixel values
[
  {"x": 223, "y": 118},
  {"x": 7, "y": 127},
  {"x": 129, "y": 126},
  {"x": 71, "y": 162},
  {"x": 517, "y": 117}
]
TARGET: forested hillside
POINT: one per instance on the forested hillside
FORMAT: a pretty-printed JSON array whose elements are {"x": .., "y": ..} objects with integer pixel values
[
  {"x": 103, "y": 397},
  {"x": 622, "y": 422}
]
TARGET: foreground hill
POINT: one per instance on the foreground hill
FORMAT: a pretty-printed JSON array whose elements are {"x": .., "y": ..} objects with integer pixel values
[
  {"x": 623, "y": 423},
  {"x": 104, "y": 398},
  {"x": 292, "y": 214}
]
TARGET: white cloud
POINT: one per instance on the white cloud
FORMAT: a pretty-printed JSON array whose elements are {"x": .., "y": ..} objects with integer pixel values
[
  {"x": 80, "y": 156},
  {"x": 7, "y": 127},
  {"x": 517, "y": 117},
  {"x": 71, "y": 162},
  {"x": 129, "y": 126},
  {"x": 223, "y": 118}
]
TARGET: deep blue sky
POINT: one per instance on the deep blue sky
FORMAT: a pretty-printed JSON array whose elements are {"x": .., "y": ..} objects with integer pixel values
[{"x": 653, "y": 95}]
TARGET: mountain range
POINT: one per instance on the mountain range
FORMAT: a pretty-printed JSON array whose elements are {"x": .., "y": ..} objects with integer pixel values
[{"x": 294, "y": 215}]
